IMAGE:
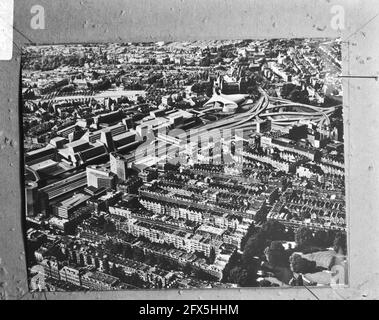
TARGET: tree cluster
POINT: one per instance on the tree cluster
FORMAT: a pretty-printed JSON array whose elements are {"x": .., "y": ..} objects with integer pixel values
[
  {"x": 300, "y": 265},
  {"x": 258, "y": 243},
  {"x": 308, "y": 240}
]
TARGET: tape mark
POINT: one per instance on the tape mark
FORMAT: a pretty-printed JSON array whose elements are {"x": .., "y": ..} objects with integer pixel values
[
  {"x": 6, "y": 29},
  {"x": 358, "y": 77},
  {"x": 312, "y": 293},
  {"x": 361, "y": 27},
  {"x": 18, "y": 32}
]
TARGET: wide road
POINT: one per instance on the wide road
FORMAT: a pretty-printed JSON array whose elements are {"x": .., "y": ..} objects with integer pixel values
[{"x": 262, "y": 109}]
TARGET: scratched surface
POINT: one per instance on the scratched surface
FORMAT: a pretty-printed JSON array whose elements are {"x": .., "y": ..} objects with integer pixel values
[{"x": 149, "y": 20}]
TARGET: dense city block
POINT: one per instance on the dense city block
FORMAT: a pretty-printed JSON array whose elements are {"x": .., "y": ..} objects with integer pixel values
[{"x": 206, "y": 164}]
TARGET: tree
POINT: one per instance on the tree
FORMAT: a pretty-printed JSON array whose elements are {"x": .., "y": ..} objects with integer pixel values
[
  {"x": 135, "y": 280},
  {"x": 276, "y": 255},
  {"x": 36, "y": 65},
  {"x": 304, "y": 237},
  {"x": 205, "y": 62},
  {"x": 274, "y": 230},
  {"x": 202, "y": 87},
  {"x": 300, "y": 265},
  {"x": 209, "y": 91},
  {"x": 250, "y": 231},
  {"x": 244, "y": 276},
  {"x": 106, "y": 265},
  {"x": 187, "y": 269},
  {"x": 109, "y": 227},
  {"x": 234, "y": 260},
  {"x": 117, "y": 248},
  {"x": 141, "y": 99},
  {"x": 218, "y": 59},
  {"x": 251, "y": 90},
  {"x": 116, "y": 271},
  {"x": 200, "y": 254},
  {"x": 81, "y": 260},
  {"x": 138, "y": 254},
  {"x": 127, "y": 251},
  {"x": 229, "y": 54},
  {"x": 203, "y": 275},
  {"x": 298, "y": 96},
  {"x": 150, "y": 259},
  {"x": 196, "y": 88},
  {"x": 340, "y": 243},
  {"x": 101, "y": 221},
  {"x": 321, "y": 238},
  {"x": 159, "y": 283},
  {"x": 239, "y": 275},
  {"x": 331, "y": 235},
  {"x": 287, "y": 89},
  {"x": 253, "y": 248},
  {"x": 261, "y": 216},
  {"x": 212, "y": 256},
  {"x": 290, "y": 235}
]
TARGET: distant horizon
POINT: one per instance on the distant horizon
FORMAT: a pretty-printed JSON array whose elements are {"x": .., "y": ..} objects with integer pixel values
[{"x": 168, "y": 42}]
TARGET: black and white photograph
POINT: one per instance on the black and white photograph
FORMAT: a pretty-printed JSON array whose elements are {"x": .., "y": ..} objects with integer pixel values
[{"x": 184, "y": 165}]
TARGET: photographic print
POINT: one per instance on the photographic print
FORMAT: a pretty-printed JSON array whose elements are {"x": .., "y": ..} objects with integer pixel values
[{"x": 179, "y": 165}]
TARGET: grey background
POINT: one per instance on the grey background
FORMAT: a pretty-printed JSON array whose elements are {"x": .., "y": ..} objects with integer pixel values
[{"x": 149, "y": 20}]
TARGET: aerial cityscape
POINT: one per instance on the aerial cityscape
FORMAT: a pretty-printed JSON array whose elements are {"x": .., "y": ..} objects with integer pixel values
[{"x": 178, "y": 165}]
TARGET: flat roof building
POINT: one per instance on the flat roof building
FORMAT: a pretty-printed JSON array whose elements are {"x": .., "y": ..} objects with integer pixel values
[{"x": 100, "y": 177}]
